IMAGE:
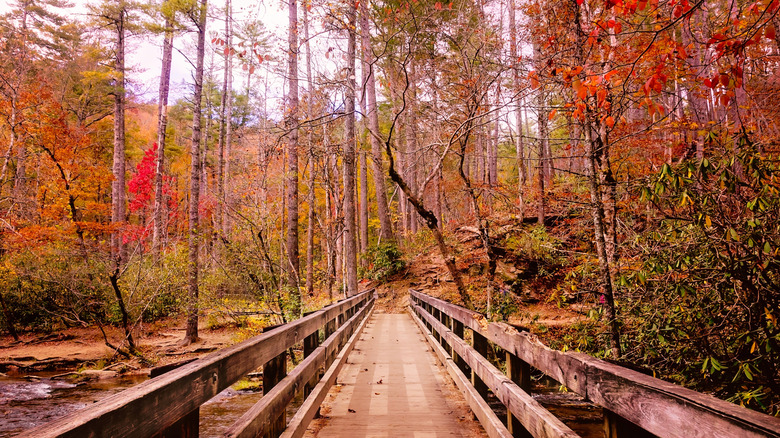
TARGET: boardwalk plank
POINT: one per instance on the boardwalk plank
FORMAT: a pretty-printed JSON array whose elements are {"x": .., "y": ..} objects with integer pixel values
[{"x": 392, "y": 387}]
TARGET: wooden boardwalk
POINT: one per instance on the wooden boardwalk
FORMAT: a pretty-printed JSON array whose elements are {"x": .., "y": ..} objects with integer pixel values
[{"x": 393, "y": 386}]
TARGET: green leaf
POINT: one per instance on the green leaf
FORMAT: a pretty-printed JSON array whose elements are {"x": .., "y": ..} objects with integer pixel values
[{"x": 715, "y": 365}]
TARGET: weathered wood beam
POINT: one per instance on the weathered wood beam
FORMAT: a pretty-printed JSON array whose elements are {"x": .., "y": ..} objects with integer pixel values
[
  {"x": 260, "y": 419},
  {"x": 300, "y": 421},
  {"x": 533, "y": 416},
  {"x": 661, "y": 408}
]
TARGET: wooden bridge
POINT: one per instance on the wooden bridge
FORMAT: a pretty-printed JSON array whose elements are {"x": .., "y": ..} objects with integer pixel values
[{"x": 390, "y": 385}]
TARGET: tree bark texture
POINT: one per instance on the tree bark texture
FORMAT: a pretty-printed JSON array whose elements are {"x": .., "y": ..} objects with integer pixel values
[
  {"x": 594, "y": 148},
  {"x": 162, "y": 124},
  {"x": 191, "y": 334},
  {"x": 292, "y": 154},
  {"x": 411, "y": 143},
  {"x": 312, "y": 162},
  {"x": 369, "y": 82},
  {"x": 118, "y": 169},
  {"x": 363, "y": 205},
  {"x": 350, "y": 238},
  {"x": 225, "y": 125},
  {"x": 541, "y": 120}
]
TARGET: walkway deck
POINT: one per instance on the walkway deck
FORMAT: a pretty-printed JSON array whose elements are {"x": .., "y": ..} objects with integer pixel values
[{"x": 393, "y": 386}]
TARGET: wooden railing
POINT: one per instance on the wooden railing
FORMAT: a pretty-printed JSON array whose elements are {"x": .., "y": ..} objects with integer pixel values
[
  {"x": 168, "y": 405},
  {"x": 635, "y": 405}
]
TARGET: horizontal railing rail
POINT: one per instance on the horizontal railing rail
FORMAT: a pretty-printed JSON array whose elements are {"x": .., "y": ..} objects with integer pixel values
[
  {"x": 159, "y": 406},
  {"x": 635, "y": 404},
  {"x": 266, "y": 416},
  {"x": 529, "y": 416}
]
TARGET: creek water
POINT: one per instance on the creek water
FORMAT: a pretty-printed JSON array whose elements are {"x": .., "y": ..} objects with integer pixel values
[
  {"x": 584, "y": 418},
  {"x": 29, "y": 401}
]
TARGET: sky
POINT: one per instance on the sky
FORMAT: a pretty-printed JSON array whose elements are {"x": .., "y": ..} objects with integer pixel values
[
  {"x": 144, "y": 52},
  {"x": 145, "y": 56}
]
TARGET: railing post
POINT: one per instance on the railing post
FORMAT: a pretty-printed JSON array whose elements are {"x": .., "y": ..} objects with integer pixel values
[
  {"x": 310, "y": 343},
  {"x": 437, "y": 315},
  {"x": 343, "y": 318},
  {"x": 457, "y": 329},
  {"x": 188, "y": 425},
  {"x": 519, "y": 372},
  {"x": 273, "y": 372},
  {"x": 330, "y": 328},
  {"x": 616, "y": 426},
  {"x": 480, "y": 346},
  {"x": 447, "y": 347}
]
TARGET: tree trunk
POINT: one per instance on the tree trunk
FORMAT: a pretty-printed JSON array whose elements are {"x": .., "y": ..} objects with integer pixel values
[
  {"x": 21, "y": 173},
  {"x": 437, "y": 208},
  {"x": 330, "y": 218},
  {"x": 363, "y": 205},
  {"x": 225, "y": 156},
  {"x": 118, "y": 169},
  {"x": 312, "y": 162},
  {"x": 191, "y": 334},
  {"x": 114, "y": 277},
  {"x": 594, "y": 149},
  {"x": 411, "y": 142},
  {"x": 11, "y": 143},
  {"x": 291, "y": 124},
  {"x": 549, "y": 161},
  {"x": 400, "y": 144},
  {"x": 369, "y": 81},
  {"x": 493, "y": 143},
  {"x": 605, "y": 274},
  {"x": 350, "y": 244},
  {"x": 162, "y": 123},
  {"x": 225, "y": 127},
  {"x": 519, "y": 144},
  {"x": 310, "y": 229},
  {"x": 206, "y": 135},
  {"x": 541, "y": 121}
]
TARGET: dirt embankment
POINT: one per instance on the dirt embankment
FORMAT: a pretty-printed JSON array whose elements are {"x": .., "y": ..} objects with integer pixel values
[
  {"x": 426, "y": 273},
  {"x": 81, "y": 347}
]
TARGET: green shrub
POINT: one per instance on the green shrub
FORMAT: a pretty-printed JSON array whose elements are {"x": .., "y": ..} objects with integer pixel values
[
  {"x": 536, "y": 244},
  {"x": 702, "y": 308},
  {"x": 384, "y": 261}
]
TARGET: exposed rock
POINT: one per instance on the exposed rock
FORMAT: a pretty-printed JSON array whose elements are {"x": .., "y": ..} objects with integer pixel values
[{"x": 99, "y": 374}]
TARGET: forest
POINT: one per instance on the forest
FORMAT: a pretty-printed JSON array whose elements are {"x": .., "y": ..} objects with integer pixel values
[{"x": 617, "y": 159}]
